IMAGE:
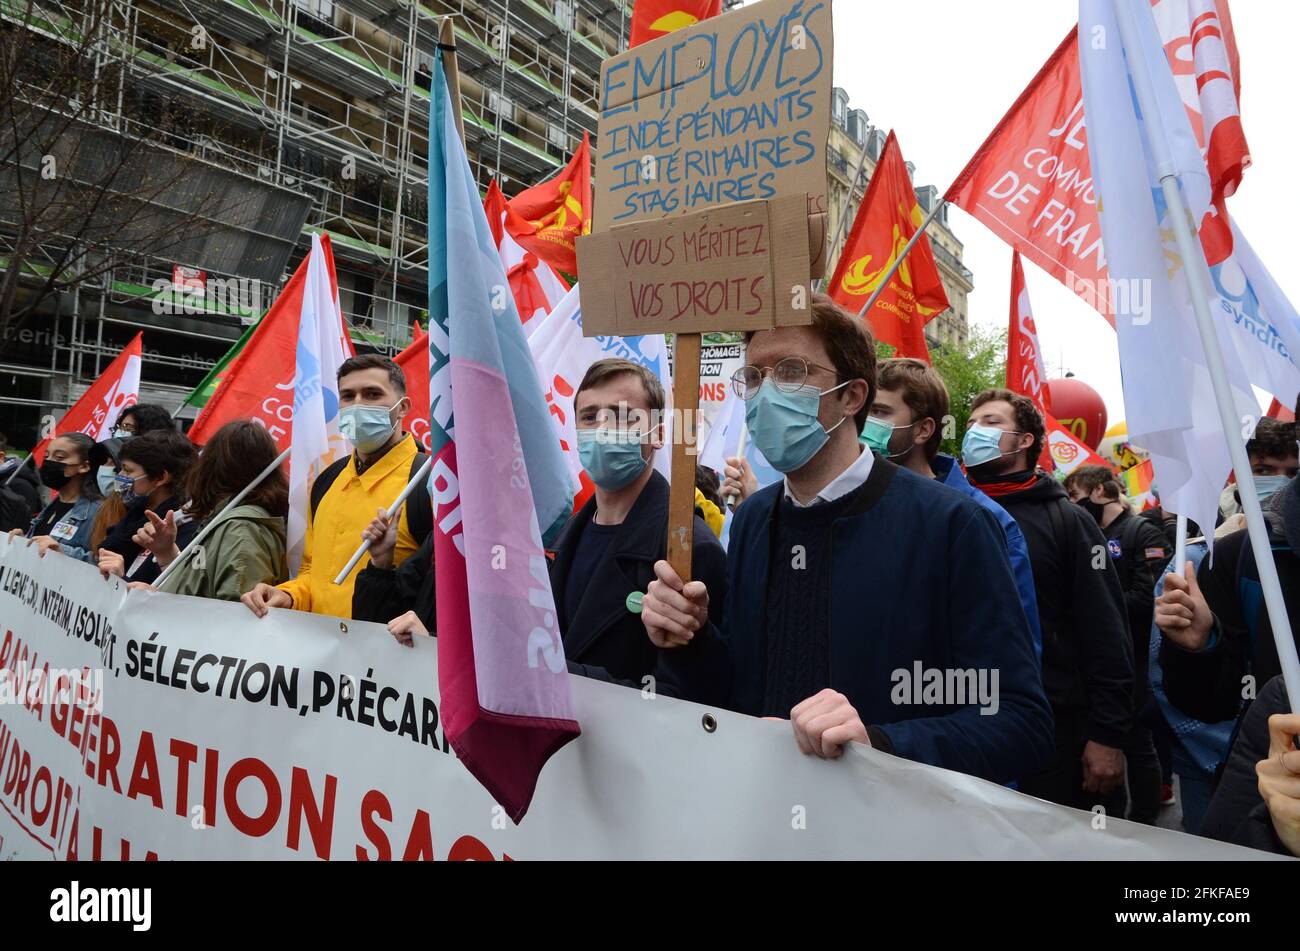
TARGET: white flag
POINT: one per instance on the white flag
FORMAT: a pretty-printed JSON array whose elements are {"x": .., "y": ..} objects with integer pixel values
[
  {"x": 320, "y": 353},
  {"x": 1167, "y": 387}
]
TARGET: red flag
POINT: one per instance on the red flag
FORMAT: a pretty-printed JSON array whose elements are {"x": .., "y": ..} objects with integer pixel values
[
  {"x": 652, "y": 19},
  {"x": 258, "y": 385},
  {"x": 888, "y": 218},
  {"x": 553, "y": 214},
  {"x": 535, "y": 285},
  {"x": 1025, "y": 374},
  {"x": 414, "y": 361},
  {"x": 96, "y": 412},
  {"x": 1068, "y": 452},
  {"x": 1284, "y": 413},
  {"x": 1031, "y": 182}
]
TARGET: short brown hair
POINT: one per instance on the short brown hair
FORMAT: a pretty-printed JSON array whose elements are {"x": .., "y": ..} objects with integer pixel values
[
  {"x": 1273, "y": 438},
  {"x": 375, "y": 361},
  {"x": 1088, "y": 478},
  {"x": 604, "y": 370},
  {"x": 159, "y": 451},
  {"x": 851, "y": 347},
  {"x": 237, "y": 454},
  {"x": 1028, "y": 418},
  {"x": 923, "y": 392}
]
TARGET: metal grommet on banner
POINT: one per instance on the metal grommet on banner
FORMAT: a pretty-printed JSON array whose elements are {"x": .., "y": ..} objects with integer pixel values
[
  {"x": 709, "y": 722},
  {"x": 343, "y": 628},
  {"x": 633, "y": 602}
]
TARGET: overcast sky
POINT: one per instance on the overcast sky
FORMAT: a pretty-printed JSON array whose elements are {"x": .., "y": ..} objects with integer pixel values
[{"x": 941, "y": 73}]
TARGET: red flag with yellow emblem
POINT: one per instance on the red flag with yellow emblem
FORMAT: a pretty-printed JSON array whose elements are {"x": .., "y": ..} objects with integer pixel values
[
  {"x": 651, "y": 19},
  {"x": 888, "y": 218},
  {"x": 547, "y": 218}
]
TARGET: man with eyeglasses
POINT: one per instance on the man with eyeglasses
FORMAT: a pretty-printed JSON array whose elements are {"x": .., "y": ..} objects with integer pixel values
[
  {"x": 1087, "y": 653},
  {"x": 864, "y": 601}
]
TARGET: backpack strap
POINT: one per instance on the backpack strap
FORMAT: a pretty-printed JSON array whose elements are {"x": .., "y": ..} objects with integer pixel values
[
  {"x": 419, "y": 504},
  {"x": 324, "y": 481},
  {"x": 1128, "y": 539}
]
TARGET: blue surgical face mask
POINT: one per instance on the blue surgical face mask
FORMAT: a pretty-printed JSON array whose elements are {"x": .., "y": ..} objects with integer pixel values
[
  {"x": 367, "y": 426},
  {"x": 107, "y": 478},
  {"x": 785, "y": 427},
  {"x": 1267, "y": 485},
  {"x": 877, "y": 433},
  {"x": 611, "y": 457},
  {"x": 126, "y": 489},
  {"x": 982, "y": 444}
]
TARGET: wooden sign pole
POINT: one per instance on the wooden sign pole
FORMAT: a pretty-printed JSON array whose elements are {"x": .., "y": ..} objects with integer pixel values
[{"x": 681, "y": 494}]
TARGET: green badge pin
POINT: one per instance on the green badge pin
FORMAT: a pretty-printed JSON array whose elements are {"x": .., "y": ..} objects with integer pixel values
[{"x": 634, "y": 602}]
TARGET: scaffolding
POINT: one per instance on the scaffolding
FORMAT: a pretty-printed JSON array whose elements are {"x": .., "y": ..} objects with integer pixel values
[{"x": 328, "y": 99}]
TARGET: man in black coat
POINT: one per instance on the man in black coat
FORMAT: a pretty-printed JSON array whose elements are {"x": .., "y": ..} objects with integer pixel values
[
  {"x": 19, "y": 477},
  {"x": 1215, "y": 624},
  {"x": 604, "y": 557},
  {"x": 1087, "y": 652},
  {"x": 1138, "y": 551}
]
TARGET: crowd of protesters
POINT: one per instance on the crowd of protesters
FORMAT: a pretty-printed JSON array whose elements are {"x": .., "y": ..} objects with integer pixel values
[{"x": 875, "y": 561}]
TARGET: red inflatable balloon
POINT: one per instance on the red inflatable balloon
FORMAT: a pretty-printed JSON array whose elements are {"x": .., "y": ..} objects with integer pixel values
[{"x": 1079, "y": 408}]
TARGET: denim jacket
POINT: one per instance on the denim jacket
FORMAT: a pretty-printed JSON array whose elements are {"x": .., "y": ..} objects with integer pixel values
[{"x": 79, "y": 521}]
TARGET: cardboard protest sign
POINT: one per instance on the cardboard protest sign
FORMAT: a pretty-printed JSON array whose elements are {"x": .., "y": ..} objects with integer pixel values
[
  {"x": 735, "y": 108},
  {"x": 728, "y": 268}
]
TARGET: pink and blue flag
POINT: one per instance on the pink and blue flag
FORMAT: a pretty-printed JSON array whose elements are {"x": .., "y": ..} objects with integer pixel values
[{"x": 498, "y": 482}]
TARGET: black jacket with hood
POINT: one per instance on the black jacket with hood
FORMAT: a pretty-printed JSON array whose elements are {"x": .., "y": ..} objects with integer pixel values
[
  {"x": 1087, "y": 652},
  {"x": 1208, "y": 684}
]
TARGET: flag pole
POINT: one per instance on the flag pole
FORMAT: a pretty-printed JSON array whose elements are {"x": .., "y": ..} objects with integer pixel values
[
  {"x": 451, "y": 69},
  {"x": 1180, "y": 545},
  {"x": 419, "y": 478},
  {"x": 193, "y": 546},
  {"x": 31, "y": 457},
  {"x": 1193, "y": 255},
  {"x": 848, "y": 206},
  {"x": 907, "y": 248}
]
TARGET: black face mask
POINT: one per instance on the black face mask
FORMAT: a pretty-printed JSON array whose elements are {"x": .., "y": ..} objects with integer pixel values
[
  {"x": 53, "y": 475},
  {"x": 1095, "y": 509}
]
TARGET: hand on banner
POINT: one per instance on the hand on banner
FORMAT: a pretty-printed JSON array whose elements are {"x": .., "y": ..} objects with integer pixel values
[
  {"x": 1182, "y": 613},
  {"x": 111, "y": 563},
  {"x": 824, "y": 723},
  {"x": 406, "y": 627},
  {"x": 140, "y": 586},
  {"x": 43, "y": 543},
  {"x": 673, "y": 612},
  {"x": 1103, "y": 768},
  {"x": 381, "y": 533},
  {"x": 740, "y": 482},
  {"x": 159, "y": 537},
  {"x": 1279, "y": 779},
  {"x": 264, "y": 597}
]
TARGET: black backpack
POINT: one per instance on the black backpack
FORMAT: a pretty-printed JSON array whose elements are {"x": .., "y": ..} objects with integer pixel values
[
  {"x": 13, "y": 511},
  {"x": 419, "y": 506}
]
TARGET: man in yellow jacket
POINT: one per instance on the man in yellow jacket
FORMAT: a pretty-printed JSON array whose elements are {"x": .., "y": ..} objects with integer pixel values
[{"x": 372, "y": 403}]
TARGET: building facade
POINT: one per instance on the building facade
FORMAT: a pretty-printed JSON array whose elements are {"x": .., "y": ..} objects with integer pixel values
[{"x": 316, "y": 112}]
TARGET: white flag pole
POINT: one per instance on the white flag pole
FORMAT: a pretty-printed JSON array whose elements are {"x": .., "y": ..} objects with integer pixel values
[
  {"x": 1193, "y": 255},
  {"x": 193, "y": 546},
  {"x": 898, "y": 261},
  {"x": 1180, "y": 545},
  {"x": 416, "y": 480},
  {"x": 31, "y": 457}
]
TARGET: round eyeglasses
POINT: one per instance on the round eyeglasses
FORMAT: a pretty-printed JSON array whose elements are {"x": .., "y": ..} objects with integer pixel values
[{"x": 789, "y": 375}]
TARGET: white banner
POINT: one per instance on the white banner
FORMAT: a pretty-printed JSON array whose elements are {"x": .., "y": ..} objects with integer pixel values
[{"x": 302, "y": 736}]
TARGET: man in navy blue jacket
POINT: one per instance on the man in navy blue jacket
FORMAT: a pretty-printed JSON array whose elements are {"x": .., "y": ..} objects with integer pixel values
[
  {"x": 906, "y": 427},
  {"x": 865, "y": 603}
]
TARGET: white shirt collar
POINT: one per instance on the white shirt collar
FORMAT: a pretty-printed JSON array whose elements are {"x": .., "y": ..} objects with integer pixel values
[{"x": 844, "y": 483}]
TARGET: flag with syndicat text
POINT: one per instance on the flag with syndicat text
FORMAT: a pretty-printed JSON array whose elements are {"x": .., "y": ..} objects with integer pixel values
[
  {"x": 96, "y": 412},
  {"x": 498, "y": 481}
]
